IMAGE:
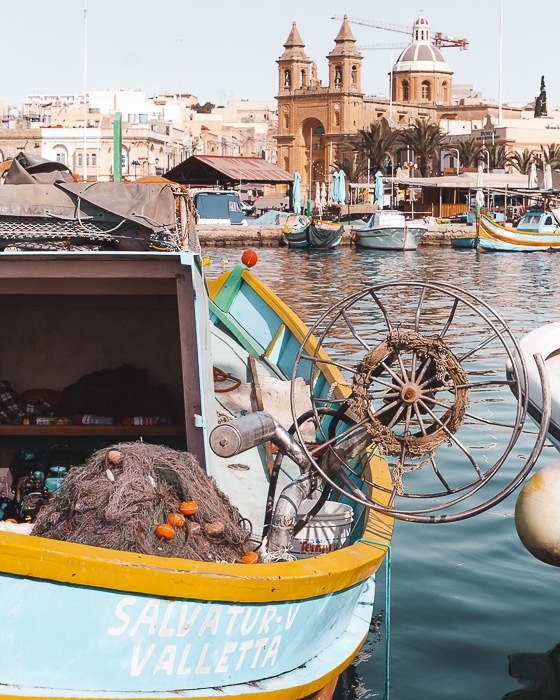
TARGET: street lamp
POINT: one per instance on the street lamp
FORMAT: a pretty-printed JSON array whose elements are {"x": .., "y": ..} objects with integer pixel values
[
  {"x": 485, "y": 150},
  {"x": 458, "y": 161},
  {"x": 135, "y": 163}
]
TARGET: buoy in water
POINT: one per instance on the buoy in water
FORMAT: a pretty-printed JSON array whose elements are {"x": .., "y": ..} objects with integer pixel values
[{"x": 537, "y": 514}]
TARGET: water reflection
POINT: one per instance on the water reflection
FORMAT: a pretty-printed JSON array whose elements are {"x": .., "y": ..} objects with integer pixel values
[{"x": 540, "y": 673}]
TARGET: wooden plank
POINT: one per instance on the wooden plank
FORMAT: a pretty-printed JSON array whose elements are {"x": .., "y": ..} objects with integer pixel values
[{"x": 259, "y": 406}]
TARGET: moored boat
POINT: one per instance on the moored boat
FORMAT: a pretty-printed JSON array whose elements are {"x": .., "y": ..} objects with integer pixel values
[
  {"x": 388, "y": 230},
  {"x": 538, "y": 229},
  {"x": 304, "y": 232}
]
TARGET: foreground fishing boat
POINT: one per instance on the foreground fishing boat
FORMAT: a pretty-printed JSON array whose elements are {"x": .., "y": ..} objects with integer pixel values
[
  {"x": 96, "y": 275},
  {"x": 388, "y": 230},
  {"x": 537, "y": 230},
  {"x": 302, "y": 232}
]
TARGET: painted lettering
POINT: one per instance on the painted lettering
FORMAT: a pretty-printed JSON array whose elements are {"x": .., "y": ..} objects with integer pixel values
[
  {"x": 164, "y": 631},
  {"x": 182, "y": 669},
  {"x": 244, "y": 648},
  {"x": 291, "y": 616},
  {"x": 259, "y": 644},
  {"x": 200, "y": 668},
  {"x": 137, "y": 665},
  {"x": 166, "y": 660},
  {"x": 247, "y": 628},
  {"x": 222, "y": 666},
  {"x": 234, "y": 612},
  {"x": 211, "y": 620},
  {"x": 122, "y": 616},
  {"x": 269, "y": 615},
  {"x": 148, "y": 616},
  {"x": 184, "y": 625},
  {"x": 272, "y": 652}
]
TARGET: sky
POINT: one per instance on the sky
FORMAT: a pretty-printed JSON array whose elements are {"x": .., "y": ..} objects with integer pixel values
[{"x": 222, "y": 50}]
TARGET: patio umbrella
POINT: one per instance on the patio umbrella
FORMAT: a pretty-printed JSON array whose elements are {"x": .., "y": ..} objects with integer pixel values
[
  {"x": 479, "y": 197},
  {"x": 335, "y": 186},
  {"x": 378, "y": 191},
  {"x": 323, "y": 195},
  {"x": 342, "y": 187},
  {"x": 547, "y": 179},
  {"x": 317, "y": 202},
  {"x": 532, "y": 183},
  {"x": 296, "y": 193}
]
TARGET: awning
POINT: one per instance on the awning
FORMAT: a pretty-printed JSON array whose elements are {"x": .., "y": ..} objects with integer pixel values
[{"x": 227, "y": 171}]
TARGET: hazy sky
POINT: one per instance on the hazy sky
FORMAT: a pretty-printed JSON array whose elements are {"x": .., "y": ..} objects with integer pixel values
[{"x": 227, "y": 49}]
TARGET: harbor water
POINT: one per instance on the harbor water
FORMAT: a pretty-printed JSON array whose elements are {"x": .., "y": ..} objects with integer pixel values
[{"x": 473, "y": 614}]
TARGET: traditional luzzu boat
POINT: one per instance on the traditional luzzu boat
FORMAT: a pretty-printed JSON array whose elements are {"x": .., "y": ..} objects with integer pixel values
[
  {"x": 303, "y": 232},
  {"x": 388, "y": 230},
  {"x": 164, "y": 549},
  {"x": 538, "y": 229}
]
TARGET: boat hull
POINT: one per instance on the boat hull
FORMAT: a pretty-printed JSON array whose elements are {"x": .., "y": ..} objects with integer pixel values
[
  {"x": 545, "y": 341},
  {"x": 390, "y": 238},
  {"x": 464, "y": 242},
  {"x": 129, "y": 625},
  {"x": 496, "y": 238}
]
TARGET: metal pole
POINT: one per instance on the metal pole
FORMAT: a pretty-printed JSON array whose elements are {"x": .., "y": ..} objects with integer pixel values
[
  {"x": 391, "y": 89},
  {"x": 85, "y": 91},
  {"x": 310, "y": 162},
  {"x": 500, "y": 63}
]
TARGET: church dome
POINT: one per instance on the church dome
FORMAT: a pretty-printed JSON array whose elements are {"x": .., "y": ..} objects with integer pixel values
[{"x": 421, "y": 56}]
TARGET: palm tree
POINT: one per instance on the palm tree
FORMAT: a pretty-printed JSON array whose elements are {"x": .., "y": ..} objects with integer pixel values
[
  {"x": 522, "y": 161},
  {"x": 352, "y": 170},
  {"x": 426, "y": 140},
  {"x": 375, "y": 147},
  {"x": 499, "y": 157},
  {"x": 551, "y": 156},
  {"x": 469, "y": 152}
]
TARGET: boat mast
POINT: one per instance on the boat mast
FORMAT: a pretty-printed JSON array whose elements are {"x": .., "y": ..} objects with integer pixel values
[{"x": 85, "y": 91}]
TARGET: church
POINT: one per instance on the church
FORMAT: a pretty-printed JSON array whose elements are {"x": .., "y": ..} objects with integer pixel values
[{"x": 317, "y": 123}]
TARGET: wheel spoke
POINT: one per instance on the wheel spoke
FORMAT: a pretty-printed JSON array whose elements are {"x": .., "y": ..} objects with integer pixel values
[
  {"x": 395, "y": 418},
  {"x": 440, "y": 475},
  {"x": 325, "y": 361},
  {"x": 450, "y": 318},
  {"x": 479, "y": 347},
  {"x": 354, "y": 332},
  {"x": 388, "y": 407},
  {"x": 488, "y": 382},
  {"x": 382, "y": 309},
  {"x": 453, "y": 438},
  {"x": 419, "y": 309}
]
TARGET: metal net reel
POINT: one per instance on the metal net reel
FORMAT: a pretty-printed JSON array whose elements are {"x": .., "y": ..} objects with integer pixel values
[{"x": 422, "y": 382}]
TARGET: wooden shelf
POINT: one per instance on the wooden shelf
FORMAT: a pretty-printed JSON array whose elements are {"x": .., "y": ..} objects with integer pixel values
[{"x": 132, "y": 430}]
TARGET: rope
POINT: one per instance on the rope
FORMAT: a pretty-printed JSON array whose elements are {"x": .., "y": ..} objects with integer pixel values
[
  {"x": 387, "y": 612},
  {"x": 221, "y": 376}
]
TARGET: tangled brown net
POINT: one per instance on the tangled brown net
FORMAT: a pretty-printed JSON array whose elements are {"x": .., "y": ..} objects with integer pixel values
[
  {"x": 120, "y": 505},
  {"x": 445, "y": 370}
]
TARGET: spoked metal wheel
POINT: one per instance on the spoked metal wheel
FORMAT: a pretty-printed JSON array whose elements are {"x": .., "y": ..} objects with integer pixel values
[{"x": 423, "y": 371}]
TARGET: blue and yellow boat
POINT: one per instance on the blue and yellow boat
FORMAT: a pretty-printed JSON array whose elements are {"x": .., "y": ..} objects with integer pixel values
[
  {"x": 82, "y": 621},
  {"x": 538, "y": 229}
]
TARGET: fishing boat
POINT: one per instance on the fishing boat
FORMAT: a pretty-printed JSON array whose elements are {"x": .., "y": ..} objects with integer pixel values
[
  {"x": 462, "y": 241},
  {"x": 94, "y": 275},
  {"x": 303, "y": 232},
  {"x": 388, "y": 230},
  {"x": 538, "y": 229}
]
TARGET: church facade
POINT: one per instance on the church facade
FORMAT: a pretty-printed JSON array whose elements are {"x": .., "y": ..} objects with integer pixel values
[{"x": 318, "y": 124}]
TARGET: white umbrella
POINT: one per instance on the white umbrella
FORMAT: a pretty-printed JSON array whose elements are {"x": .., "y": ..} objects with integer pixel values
[
  {"x": 323, "y": 195},
  {"x": 479, "y": 197},
  {"x": 532, "y": 179},
  {"x": 547, "y": 178},
  {"x": 317, "y": 202},
  {"x": 296, "y": 193},
  {"x": 342, "y": 187}
]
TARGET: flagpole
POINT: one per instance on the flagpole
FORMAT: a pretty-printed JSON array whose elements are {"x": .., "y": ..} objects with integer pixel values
[
  {"x": 85, "y": 92},
  {"x": 500, "y": 62}
]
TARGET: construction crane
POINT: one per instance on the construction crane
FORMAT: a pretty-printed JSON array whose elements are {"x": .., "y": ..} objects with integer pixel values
[{"x": 438, "y": 39}]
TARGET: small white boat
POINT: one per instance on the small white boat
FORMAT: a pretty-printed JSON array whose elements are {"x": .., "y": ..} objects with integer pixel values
[{"x": 389, "y": 230}]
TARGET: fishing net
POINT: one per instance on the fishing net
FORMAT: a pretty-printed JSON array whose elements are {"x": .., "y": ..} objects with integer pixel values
[{"x": 122, "y": 493}]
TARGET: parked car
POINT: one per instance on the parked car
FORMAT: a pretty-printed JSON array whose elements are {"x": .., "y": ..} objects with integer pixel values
[{"x": 248, "y": 208}]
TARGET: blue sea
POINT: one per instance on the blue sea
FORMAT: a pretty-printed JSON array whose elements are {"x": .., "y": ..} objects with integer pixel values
[{"x": 473, "y": 614}]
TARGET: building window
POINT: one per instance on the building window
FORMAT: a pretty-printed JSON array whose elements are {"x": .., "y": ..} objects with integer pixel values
[
  {"x": 94, "y": 158},
  {"x": 303, "y": 78},
  {"x": 405, "y": 91},
  {"x": 445, "y": 92},
  {"x": 287, "y": 78},
  {"x": 338, "y": 75},
  {"x": 80, "y": 159},
  {"x": 354, "y": 74},
  {"x": 426, "y": 92}
]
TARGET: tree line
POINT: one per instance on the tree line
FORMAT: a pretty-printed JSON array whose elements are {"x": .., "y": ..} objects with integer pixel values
[{"x": 375, "y": 148}]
